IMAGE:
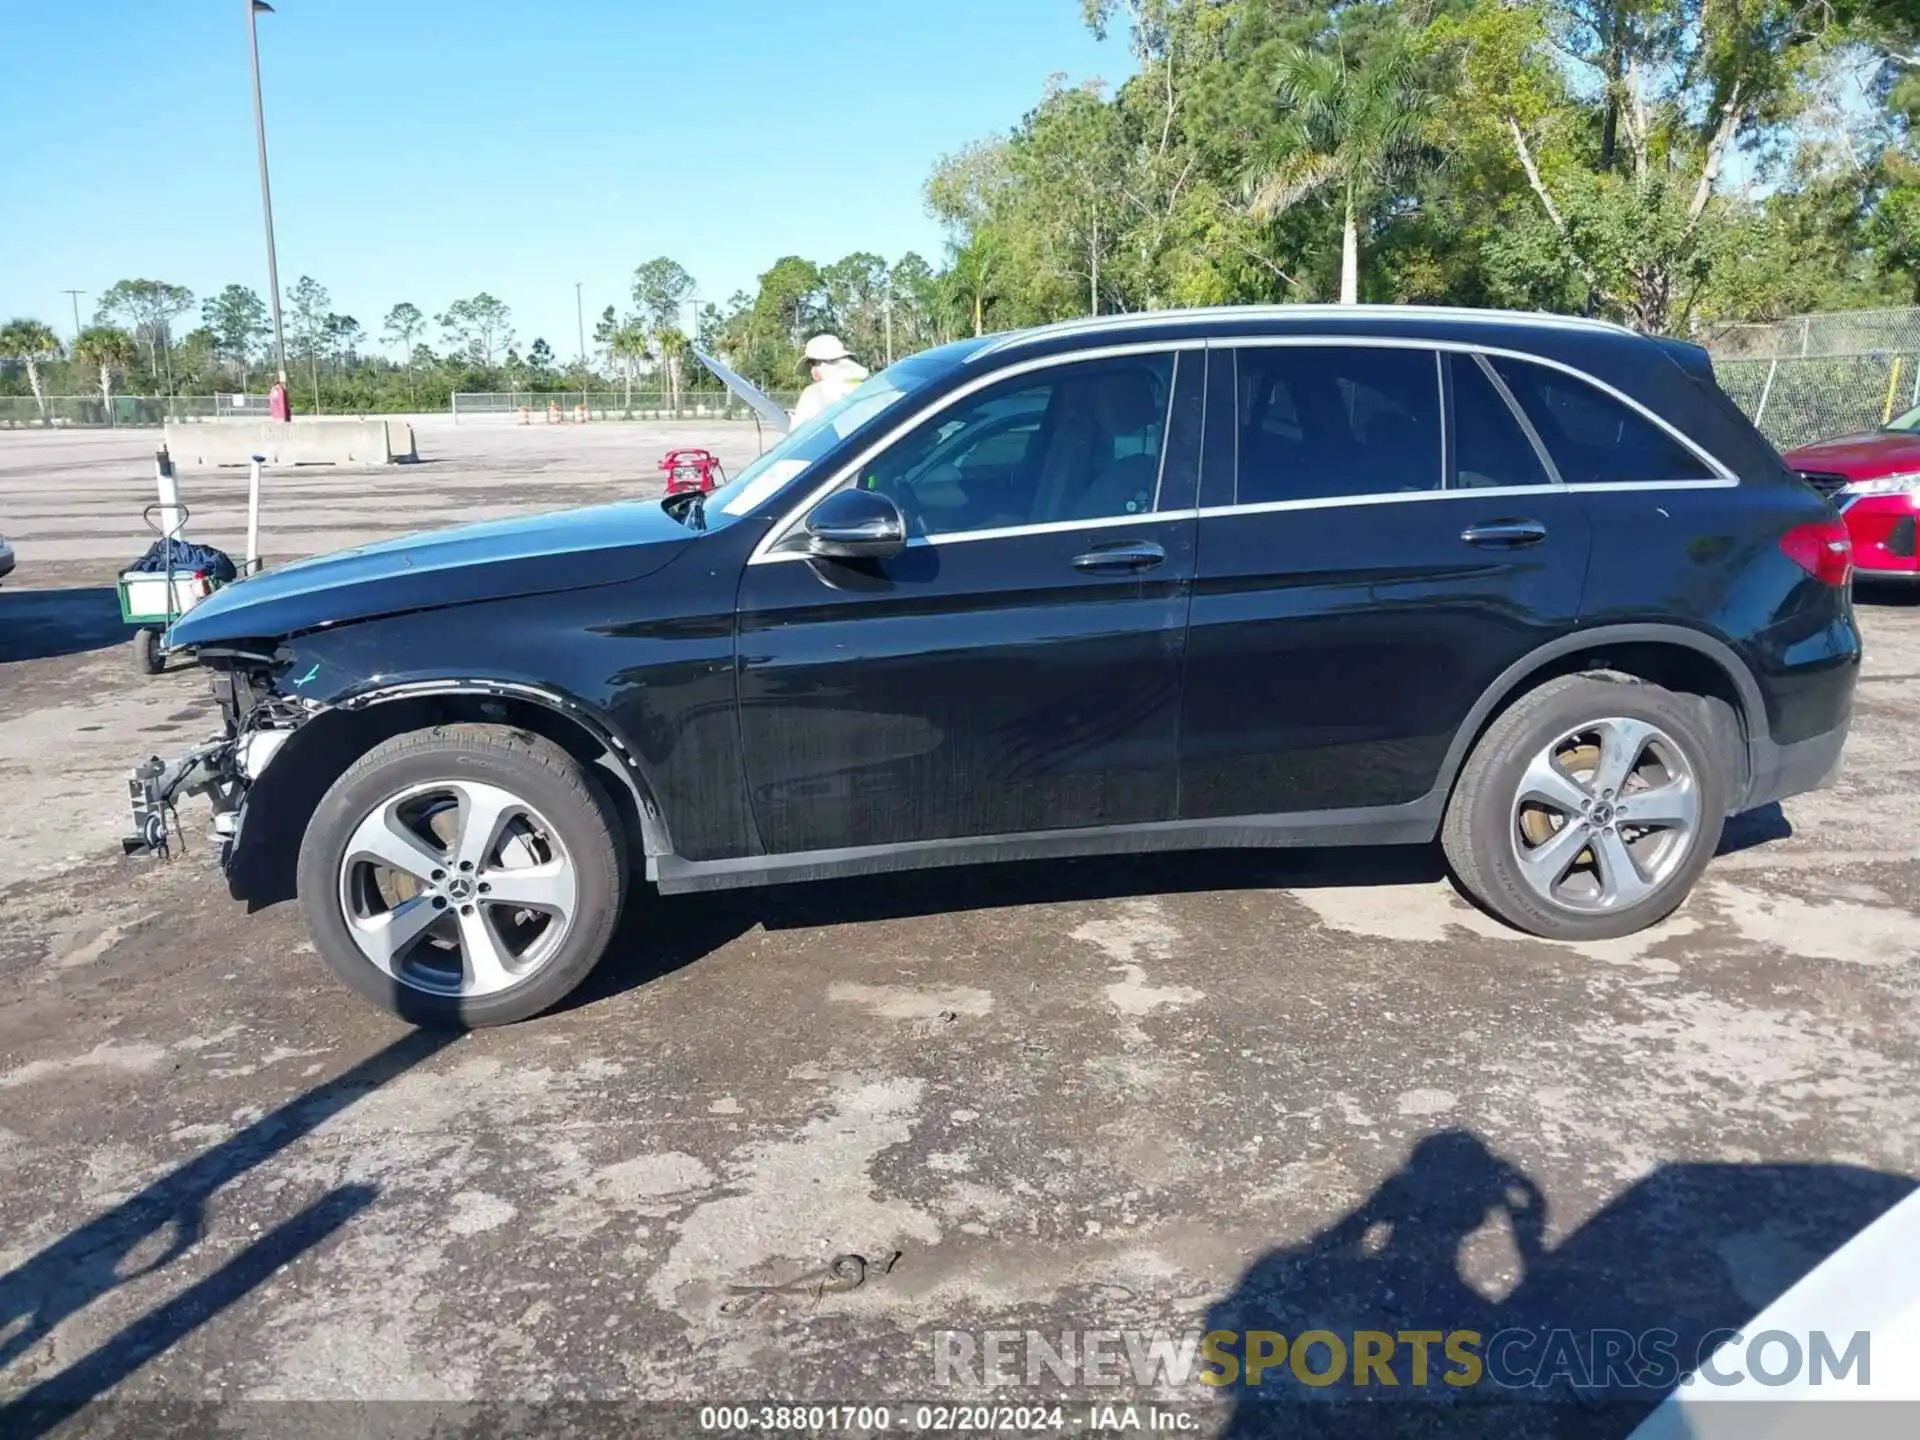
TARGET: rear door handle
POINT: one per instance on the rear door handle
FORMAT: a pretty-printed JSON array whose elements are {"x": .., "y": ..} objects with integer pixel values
[
  {"x": 1505, "y": 534},
  {"x": 1126, "y": 555}
]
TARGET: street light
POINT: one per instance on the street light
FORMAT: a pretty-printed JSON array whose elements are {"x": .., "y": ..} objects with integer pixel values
[{"x": 254, "y": 7}]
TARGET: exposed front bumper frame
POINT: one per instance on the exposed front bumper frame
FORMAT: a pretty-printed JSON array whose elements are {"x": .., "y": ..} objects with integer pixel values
[{"x": 155, "y": 787}]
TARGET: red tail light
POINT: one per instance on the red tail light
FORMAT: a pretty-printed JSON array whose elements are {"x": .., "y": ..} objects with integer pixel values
[{"x": 1822, "y": 548}]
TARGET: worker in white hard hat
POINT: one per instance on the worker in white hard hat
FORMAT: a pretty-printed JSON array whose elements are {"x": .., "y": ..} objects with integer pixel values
[{"x": 836, "y": 374}]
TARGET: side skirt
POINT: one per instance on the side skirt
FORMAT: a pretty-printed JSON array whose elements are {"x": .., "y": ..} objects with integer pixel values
[{"x": 1415, "y": 823}]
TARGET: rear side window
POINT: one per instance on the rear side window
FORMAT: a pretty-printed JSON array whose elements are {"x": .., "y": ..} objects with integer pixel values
[
  {"x": 1593, "y": 438},
  {"x": 1327, "y": 421},
  {"x": 1489, "y": 447}
]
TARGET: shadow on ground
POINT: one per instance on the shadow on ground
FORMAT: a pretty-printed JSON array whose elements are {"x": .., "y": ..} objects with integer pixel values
[
  {"x": 661, "y": 934},
  {"x": 1754, "y": 829},
  {"x": 164, "y": 1224},
  {"x": 1594, "y": 1331},
  {"x": 1894, "y": 594},
  {"x": 1054, "y": 882},
  {"x": 46, "y": 624}
]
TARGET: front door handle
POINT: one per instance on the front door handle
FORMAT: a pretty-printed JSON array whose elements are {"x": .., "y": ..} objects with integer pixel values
[
  {"x": 1505, "y": 534},
  {"x": 1127, "y": 555}
]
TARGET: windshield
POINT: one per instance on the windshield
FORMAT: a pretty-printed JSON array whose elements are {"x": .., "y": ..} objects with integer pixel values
[
  {"x": 815, "y": 440},
  {"x": 1906, "y": 422}
]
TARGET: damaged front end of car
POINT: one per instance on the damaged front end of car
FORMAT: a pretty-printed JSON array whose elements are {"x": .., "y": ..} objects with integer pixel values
[{"x": 258, "y": 718}]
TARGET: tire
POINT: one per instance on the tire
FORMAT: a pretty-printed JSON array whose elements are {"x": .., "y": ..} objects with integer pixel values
[
  {"x": 147, "y": 659},
  {"x": 478, "y": 961},
  {"x": 1506, "y": 829}
]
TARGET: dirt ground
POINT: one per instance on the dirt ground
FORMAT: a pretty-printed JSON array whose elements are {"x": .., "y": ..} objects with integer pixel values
[{"x": 1169, "y": 1095}]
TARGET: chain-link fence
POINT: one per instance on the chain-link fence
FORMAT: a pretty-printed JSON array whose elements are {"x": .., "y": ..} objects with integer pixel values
[
  {"x": 1836, "y": 332},
  {"x": 539, "y": 407},
  {"x": 63, "y": 412},
  {"x": 1795, "y": 400},
  {"x": 1811, "y": 377}
]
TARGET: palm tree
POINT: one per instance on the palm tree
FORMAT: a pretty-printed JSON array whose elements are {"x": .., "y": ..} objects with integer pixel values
[
  {"x": 1352, "y": 130},
  {"x": 672, "y": 344},
  {"x": 627, "y": 344},
  {"x": 109, "y": 350},
  {"x": 972, "y": 272},
  {"x": 30, "y": 342}
]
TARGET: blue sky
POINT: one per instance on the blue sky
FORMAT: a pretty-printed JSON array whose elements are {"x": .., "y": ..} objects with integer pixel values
[{"x": 423, "y": 150}]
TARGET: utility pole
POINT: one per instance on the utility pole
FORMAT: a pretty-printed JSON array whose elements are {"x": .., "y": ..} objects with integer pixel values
[
  {"x": 75, "y": 295},
  {"x": 254, "y": 7},
  {"x": 580, "y": 320}
]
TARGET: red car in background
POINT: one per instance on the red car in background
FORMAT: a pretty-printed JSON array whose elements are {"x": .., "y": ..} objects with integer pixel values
[{"x": 1873, "y": 479}]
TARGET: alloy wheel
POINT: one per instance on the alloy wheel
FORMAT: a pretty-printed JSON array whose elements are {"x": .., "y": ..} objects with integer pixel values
[
  {"x": 457, "y": 887},
  {"x": 1605, "y": 815}
]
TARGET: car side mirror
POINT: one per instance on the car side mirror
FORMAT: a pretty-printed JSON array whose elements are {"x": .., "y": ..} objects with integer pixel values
[{"x": 856, "y": 525}]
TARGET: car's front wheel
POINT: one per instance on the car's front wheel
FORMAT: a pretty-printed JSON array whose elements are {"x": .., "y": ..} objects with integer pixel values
[
  {"x": 463, "y": 876},
  {"x": 1589, "y": 808}
]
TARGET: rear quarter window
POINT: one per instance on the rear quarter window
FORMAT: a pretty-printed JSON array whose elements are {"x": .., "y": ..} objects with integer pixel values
[{"x": 1593, "y": 438}]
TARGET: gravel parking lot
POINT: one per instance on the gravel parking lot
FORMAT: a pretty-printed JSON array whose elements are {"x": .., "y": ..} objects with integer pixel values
[{"x": 1285, "y": 1091}]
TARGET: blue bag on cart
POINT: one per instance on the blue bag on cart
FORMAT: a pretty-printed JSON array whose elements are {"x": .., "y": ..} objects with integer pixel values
[{"x": 187, "y": 557}]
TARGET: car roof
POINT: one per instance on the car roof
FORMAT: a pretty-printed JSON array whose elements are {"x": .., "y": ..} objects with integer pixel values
[{"x": 1240, "y": 321}]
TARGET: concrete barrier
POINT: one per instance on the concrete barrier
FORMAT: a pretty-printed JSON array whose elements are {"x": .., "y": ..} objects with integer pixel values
[{"x": 364, "y": 443}]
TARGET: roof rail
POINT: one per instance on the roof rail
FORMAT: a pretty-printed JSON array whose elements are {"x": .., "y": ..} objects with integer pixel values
[{"x": 1199, "y": 316}]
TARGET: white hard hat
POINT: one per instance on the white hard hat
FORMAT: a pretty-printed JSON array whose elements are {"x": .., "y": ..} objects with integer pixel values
[{"x": 824, "y": 348}]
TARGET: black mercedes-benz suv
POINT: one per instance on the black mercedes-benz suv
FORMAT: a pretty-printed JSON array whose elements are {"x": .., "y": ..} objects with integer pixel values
[{"x": 1527, "y": 585}]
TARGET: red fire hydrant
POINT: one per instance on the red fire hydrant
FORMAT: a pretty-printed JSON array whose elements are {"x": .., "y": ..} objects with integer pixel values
[{"x": 692, "y": 470}]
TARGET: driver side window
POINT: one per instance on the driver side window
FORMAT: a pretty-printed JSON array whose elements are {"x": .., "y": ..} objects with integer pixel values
[{"x": 1081, "y": 442}]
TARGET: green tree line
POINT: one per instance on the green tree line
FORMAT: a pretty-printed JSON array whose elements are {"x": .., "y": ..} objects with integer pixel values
[
  {"x": 1672, "y": 164},
  {"x": 418, "y": 359},
  {"x": 135, "y": 346}
]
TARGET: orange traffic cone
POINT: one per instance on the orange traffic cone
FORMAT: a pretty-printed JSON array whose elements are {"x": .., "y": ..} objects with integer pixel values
[
  {"x": 526, "y": 415},
  {"x": 580, "y": 414},
  {"x": 553, "y": 412}
]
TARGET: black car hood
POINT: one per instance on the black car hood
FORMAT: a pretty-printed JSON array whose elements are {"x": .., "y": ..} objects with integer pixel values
[{"x": 498, "y": 560}]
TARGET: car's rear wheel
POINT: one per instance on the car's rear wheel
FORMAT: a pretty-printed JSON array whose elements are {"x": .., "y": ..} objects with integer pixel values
[
  {"x": 1589, "y": 808},
  {"x": 463, "y": 876}
]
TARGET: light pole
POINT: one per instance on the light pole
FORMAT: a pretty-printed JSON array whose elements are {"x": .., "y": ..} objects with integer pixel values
[
  {"x": 75, "y": 295},
  {"x": 254, "y": 7},
  {"x": 580, "y": 320}
]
